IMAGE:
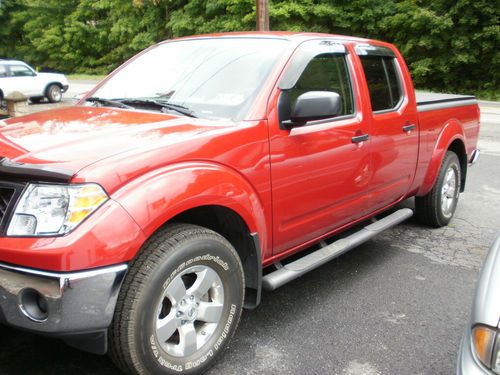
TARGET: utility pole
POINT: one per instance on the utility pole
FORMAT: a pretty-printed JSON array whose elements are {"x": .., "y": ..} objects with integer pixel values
[{"x": 262, "y": 10}]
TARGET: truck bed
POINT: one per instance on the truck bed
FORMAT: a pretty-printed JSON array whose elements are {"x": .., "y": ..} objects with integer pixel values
[{"x": 429, "y": 101}]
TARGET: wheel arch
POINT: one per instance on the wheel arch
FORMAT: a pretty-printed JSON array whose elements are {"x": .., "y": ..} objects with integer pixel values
[
  {"x": 210, "y": 195},
  {"x": 232, "y": 227},
  {"x": 52, "y": 83},
  {"x": 451, "y": 138},
  {"x": 458, "y": 147}
]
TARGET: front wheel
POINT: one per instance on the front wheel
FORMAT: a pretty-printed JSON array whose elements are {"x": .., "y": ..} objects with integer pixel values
[
  {"x": 437, "y": 207},
  {"x": 180, "y": 303}
]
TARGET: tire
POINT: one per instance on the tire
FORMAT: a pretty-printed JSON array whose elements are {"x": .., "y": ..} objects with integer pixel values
[
  {"x": 436, "y": 209},
  {"x": 158, "y": 328},
  {"x": 54, "y": 93}
]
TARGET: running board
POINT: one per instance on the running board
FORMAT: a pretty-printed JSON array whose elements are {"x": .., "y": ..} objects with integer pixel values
[{"x": 297, "y": 268}]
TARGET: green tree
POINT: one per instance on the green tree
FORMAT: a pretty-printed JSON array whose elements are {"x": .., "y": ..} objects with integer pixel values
[{"x": 450, "y": 45}]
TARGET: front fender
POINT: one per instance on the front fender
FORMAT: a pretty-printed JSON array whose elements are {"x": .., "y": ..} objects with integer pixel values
[
  {"x": 156, "y": 197},
  {"x": 451, "y": 131}
]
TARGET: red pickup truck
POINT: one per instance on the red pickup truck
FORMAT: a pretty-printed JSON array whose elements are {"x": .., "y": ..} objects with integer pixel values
[{"x": 144, "y": 218}]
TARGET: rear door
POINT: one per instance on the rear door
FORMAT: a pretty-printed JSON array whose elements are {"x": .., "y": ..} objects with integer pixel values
[
  {"x": 394, "y": 133},
  {"x": 319, "y": 175}
]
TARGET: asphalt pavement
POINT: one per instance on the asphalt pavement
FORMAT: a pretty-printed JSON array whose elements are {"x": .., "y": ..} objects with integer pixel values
[{"x": 396, "y": 305}]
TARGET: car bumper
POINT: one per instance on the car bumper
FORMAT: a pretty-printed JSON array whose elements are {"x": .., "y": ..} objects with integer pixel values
[
  {"x": 65, "y": 88},
  {"x": 474, "y": 156},
  {"x": 60, "y": 304},
  {"x": 467, "y": 363}
]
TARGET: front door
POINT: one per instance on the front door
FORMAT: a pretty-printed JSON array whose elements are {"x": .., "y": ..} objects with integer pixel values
[
  {"x": 319, "y": 170},
  {"x": 23, "y": 79}
]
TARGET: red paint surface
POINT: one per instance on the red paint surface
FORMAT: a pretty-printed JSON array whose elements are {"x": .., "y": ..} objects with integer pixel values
[{"x": 292, "y": 187}]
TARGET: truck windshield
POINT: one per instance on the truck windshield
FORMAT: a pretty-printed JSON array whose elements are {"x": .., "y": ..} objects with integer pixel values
[{"x": 210, "y": 78}]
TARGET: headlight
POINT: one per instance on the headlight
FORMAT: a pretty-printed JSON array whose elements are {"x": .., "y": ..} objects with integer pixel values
[
  {"x": 486, "y": 345},
  {"x": 47, "y": 210}
]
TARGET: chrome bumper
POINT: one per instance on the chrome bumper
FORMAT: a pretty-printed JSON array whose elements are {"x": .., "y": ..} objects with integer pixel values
[
  {"x": 59, "y": 303},
  {"x": 474, "y": 156}
]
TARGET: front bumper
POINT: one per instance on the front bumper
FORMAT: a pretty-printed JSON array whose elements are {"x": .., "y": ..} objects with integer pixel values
[
  {"x": 474, "y": 156},
  {"x": 467, "y": 364},
  {"x": 60, "y": 304}
]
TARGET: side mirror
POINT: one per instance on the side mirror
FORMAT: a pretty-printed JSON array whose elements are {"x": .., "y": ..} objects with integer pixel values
[{"x": 315, "y": 105}]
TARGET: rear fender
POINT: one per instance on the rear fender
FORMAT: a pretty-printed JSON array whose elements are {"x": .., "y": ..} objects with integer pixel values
[
  {"x": 452, "y": 131},
  {"x": 156, "y": 197}
]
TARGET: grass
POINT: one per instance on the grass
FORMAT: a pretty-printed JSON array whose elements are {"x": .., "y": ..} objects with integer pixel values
[
  {"x": 489, "y": 95},
  {"x": 85, "y": 77}
]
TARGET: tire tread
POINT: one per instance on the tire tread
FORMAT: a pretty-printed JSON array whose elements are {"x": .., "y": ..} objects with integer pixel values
[{"x": 154, "y": 251}]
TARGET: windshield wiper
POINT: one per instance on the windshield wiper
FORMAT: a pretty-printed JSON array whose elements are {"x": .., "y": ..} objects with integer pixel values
[
  {"x": 108, "y": 102},
  {"x": 162, "y": 104}
]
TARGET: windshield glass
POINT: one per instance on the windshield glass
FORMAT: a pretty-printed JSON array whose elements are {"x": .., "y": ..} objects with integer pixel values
[{"x": 212, "y": 78}]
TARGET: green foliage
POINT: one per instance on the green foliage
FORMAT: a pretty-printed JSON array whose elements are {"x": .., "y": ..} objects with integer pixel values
[{"x": 449, "y": 45}]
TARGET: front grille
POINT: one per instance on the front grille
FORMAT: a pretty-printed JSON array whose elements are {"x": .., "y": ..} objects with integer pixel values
[
  {"x": 9, "y": 195},
  {"x": 6, "y": 195}
]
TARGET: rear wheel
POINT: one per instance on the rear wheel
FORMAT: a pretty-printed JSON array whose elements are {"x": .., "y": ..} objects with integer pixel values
[
  {"x": 54, "y": 93},
  {"x": 180, "y": 303},
  {"x": 438, "y": 206}
]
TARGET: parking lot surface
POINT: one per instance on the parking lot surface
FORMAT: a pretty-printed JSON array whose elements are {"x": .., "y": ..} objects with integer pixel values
[{"x": 396, "y": 305}]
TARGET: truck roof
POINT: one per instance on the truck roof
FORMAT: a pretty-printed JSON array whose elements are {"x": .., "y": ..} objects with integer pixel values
[{"x": 285, "y": 35}]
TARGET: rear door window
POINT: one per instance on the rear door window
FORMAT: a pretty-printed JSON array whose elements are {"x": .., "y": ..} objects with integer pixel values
[{"x": 383, "y": 82}]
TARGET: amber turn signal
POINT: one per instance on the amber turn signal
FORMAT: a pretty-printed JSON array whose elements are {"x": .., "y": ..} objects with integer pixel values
[{"x": 483, "y": 339}]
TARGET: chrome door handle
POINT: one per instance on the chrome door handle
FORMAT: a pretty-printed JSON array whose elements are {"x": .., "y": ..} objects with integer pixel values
[
  {"x": 409, "y": 128},
  {"x": 359, "y": 138}
]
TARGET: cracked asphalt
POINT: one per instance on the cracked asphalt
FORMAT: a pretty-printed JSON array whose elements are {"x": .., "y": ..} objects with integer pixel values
[{"x": 396, "y": 305}]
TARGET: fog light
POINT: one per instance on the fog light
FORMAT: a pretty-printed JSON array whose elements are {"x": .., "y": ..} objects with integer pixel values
[{"x": 33, "y": 305}]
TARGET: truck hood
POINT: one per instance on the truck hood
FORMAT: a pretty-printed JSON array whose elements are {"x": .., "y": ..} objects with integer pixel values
[
  {"x": 75, "y": 137},
  {"x": 54, "y": 76}
]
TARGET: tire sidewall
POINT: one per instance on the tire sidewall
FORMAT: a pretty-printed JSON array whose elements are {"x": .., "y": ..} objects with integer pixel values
[
  {"x": 451, "y": 160},
  {"x": 207, "y": 252},
  {"x": 50, "y": 94}
]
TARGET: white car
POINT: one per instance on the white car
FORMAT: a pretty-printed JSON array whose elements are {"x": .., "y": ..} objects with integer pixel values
[{"x": 18, "y": 76}]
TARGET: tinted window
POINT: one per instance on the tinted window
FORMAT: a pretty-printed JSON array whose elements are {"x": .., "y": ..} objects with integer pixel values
[
  {"x": 326, "y": 72},
  {"x": 3, "y": 71},
  {"x": 20, "y": 71},
  {"x": 383, "y": 82}
]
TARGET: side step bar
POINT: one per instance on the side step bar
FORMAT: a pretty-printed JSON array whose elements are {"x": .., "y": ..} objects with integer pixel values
[{"x": 295, "y": 269}]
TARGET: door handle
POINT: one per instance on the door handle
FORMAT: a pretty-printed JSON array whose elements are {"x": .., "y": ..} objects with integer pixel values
[
  {"x": 359, "y": 138},
  {"x": 409, "y": 128}
]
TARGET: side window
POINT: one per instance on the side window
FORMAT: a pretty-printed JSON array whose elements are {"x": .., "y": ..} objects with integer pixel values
[
  {"x": 326, "y": 72},
  {"x": 3, "y": 71},
  {"x": 20, "y": 71},
  {"x": 383, "y": 82}
]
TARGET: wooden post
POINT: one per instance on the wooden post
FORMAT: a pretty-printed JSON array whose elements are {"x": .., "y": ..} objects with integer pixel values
[{"x": 262, "y": 10}]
